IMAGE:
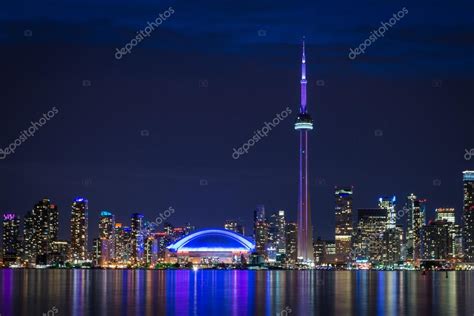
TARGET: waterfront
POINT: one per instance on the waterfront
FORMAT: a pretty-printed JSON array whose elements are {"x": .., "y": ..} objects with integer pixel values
[{"x": 234, "y": 292}]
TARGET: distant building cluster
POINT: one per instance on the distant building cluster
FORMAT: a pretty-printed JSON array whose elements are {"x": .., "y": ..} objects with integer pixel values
[
  {"x": 137, "y": 245},
  {"x": 388, "y": 236}
]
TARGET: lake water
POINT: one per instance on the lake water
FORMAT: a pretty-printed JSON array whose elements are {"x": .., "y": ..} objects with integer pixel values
[{"x": 231, "y": 293}]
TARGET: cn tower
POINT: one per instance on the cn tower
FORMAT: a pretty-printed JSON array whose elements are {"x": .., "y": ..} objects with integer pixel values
[{"x": 304, "y": 124}]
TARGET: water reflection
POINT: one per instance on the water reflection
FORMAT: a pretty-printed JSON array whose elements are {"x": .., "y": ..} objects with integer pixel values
[{"x": 234, "y": 293}]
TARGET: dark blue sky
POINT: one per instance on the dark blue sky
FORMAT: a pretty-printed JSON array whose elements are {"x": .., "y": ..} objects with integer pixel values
[{"x": 206, "y": 79}]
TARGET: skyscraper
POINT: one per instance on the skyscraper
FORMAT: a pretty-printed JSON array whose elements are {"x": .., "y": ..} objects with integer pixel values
[
  {"x": 447, "y": 214},
  {"x": 79, "y": 230},
  {"x": 138, "y": 240},
  {"x": 343, "y": 222},
  {"x": 435, "y": 240},
  {"x": 11, "y": 239},
  {"x": 454, "y": 230},
  {"x": 371, "y": 228},
  {"x": 392, "y": 245},
  {"x": 415, "y": 221},
  {"x": 260, "y": 230},
  {"x": 304, "y": 123},
  {"x": 234, "y": 226},
  {"x": 388, "y": 203},
  {"x": 276, "y": 234},
  {"x": 40, "y": 231},
  {"x": 291, "y": 242},
  {"x": 468, "y": 215},
  {"x": 107, "y": 237}
]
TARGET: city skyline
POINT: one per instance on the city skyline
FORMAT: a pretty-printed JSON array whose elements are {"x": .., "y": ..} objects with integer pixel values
[
  {"x": 247, "y": 226},
  {"x": 406, "y": 231}
]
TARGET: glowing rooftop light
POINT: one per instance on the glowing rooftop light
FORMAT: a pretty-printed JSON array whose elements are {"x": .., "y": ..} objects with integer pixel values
[{"x": 9, "y": 217}]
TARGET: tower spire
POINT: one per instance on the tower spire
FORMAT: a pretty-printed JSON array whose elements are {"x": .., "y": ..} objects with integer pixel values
[
  {"x": 303, "y": 80},
  {"x": 304, "y": 124}
]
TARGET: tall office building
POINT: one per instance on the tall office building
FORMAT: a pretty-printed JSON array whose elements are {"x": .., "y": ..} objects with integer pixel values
[
  {"x": 123, "y": 248},
  {"x": 454, "y": 231},
  {"x": 392, "y": 245},
  {"x": 468, "y": 215},
  {"x": 234, "y": 226},
  {"x": 107, "y": 237},
  {"x": 11, "y": 239},
  {"x": 260, "y": 230},
  {"x": 60, "y": 252},
  {"x": 447, "y": 214},
  {"x": 96, "y": 252},
  {"x": 304, "y": 123},
  {"x": 388, "y": 203},
  {"x": 371, "y": 227},
  {"x": 435, "y": 240},
  {"x": 41, "y": 229},
  {"x": 415, "y": 221},
  {"x": 291, "y": 239},
  {"x": 79, "y": 230},
  {"x": 319, "y": 250},
  {"x": 138, "y": 239},
  {"x": 277, "y": 234},
  {"x": 343, "y": 222}
]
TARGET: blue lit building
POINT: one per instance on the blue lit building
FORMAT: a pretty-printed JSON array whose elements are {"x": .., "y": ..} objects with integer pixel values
[{"x": 216, "y": 244}]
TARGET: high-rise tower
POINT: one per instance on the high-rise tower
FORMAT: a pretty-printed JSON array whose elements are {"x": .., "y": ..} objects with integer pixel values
[
  {"x": 79, "y": 230},
  {"x": 468, "y": 215},
  {"x": 343, "y": 214},
  {"x": 303, "y": 124}
]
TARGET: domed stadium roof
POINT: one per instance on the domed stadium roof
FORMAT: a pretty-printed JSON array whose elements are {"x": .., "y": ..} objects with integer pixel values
[{"x": 213, "y": 240}]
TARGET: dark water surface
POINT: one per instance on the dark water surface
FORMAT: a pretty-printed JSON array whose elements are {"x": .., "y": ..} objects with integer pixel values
[{"x": 232, "y": 293}]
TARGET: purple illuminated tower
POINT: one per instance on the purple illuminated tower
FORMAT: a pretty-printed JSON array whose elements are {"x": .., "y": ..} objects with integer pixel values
[{"x": 303, "y": 124}]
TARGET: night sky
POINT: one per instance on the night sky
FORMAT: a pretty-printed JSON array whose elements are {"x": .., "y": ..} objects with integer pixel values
[{"x": 150, "y": 130}]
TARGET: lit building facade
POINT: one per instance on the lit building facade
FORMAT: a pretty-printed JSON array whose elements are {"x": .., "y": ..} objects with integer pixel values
[
  {"x": 388, "y": 203},
  {"x": 291, "y": 240},
  {"x": 468, "y": 216},
  {"x": 79, "y": 230},
  {"x": 11, "y": 239},
  {"x": 60, "y": 251},
  {"x": 319, "y": 246},
  {"x": 277, "y": 234},
  {"x": 260, "y": 231},
  {"x": 435, "y": 240},
  {"x": 392, "y": 246},
  {"x": 454, "y": 230},
  {"x": 344, "y": 226},
  {"x": 41, "y": 229},
  {"x": 123, "y": 247},
  {"x": 415, "y": 221},
  {"x": 107, "y": 237},
  {"x": 138, "y": 240},
  {"x": 371, "y": 227},
  {"x": 234, "y": 226}
]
